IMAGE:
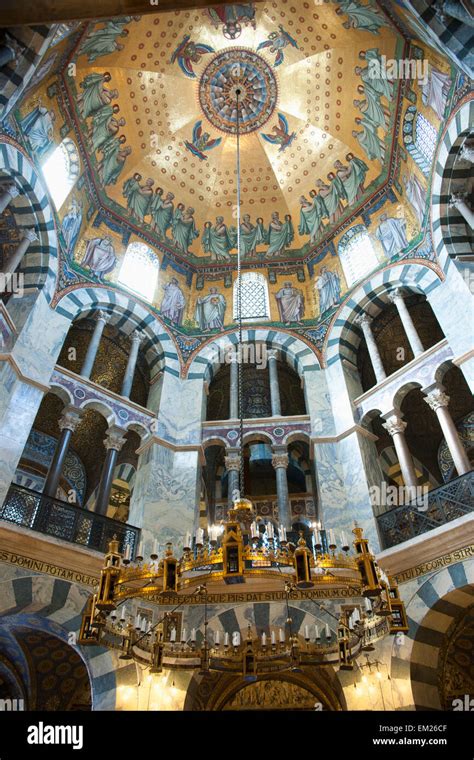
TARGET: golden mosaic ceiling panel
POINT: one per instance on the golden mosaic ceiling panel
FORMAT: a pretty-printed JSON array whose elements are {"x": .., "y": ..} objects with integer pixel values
[{"x": 154, "y": 69}]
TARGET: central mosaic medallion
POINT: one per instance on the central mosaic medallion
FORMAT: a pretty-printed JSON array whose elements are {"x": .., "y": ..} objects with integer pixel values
[{"x": 232, "y": 70}]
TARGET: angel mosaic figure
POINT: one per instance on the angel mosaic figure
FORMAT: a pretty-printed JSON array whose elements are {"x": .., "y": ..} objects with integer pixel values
[
  {"x": 189, "y": 52},
  {"x": 201, "y": 142},
  {"x": 281, "y": 136},
  {"x": 277, "y": 42}
]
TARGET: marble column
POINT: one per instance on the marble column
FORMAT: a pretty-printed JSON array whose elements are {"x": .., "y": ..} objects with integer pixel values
[
  {"x": 136, "y": 339},
  {"x": 68, "y": 423},
  {"x": 93, "y": 346},
  {"x": 458, "y": 200},
  {"x": 280, "y": 463},
  {"x": 7, "y": 193},
  {"x": 113, "y": 443},
  {"x": 234, "y": 387},
  {"x": 232, "y": 465},
  {"x": 274, "y": 387},
  {"x": 396, "y": 427},
  {"x": 438, "y": 401},
  {"x": 12, "y": 264},
  {"x": 364, "y": 321},
  {"x": 416, "y": 345}
]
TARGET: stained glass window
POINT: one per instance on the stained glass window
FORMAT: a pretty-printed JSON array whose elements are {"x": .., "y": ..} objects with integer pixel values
[
  {"x": 425, "y": 139},
  {"x": 255, "y": 303},
  {"x": 139, "y": 270},
  {"x": 356, "y": 254},
  {"x": 61, "y": 171}
]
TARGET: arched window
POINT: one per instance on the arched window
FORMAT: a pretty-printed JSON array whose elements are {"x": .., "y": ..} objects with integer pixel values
[
  {"x": 254, "y": 300},
  {"x": 139, "y": 270},
  {"x": 61, "y": 171},
  {"x": 419, "y": 137},
  {"x": 356, "y": 254}
]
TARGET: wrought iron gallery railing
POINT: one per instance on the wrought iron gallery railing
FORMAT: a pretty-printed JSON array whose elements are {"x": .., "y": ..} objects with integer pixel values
[
  {"x": 67, "y": 522},
  {"x": 443, "y": 504}
]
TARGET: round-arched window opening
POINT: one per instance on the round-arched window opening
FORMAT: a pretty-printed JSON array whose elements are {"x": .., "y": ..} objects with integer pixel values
[{"x": 61, "y": 171}]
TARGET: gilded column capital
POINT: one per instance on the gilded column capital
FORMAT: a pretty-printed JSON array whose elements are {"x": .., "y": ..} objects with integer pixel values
[
  {"x": 280, "y": 459},
  {"x": 232, "y": 462}
]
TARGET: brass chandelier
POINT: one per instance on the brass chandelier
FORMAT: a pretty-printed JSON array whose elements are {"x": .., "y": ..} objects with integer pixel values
[{"x": 372, "y": 607}]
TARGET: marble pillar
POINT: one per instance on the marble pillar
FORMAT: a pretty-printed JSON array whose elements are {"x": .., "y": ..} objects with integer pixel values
[
  {"x": 396, "y": 426},
  {"x": 232, "y": 464},
  {"x": 136, "y": 339},
  {"x": 364, "y": 321},
  {"x": 68, "y": 423},
  {"x": 272, "y": 357},
  {"x": 280, "y": 464},
  {"x": 438, "y": 401},
  {"x": 113, "y": 443},
  {"x": 416, "y": 345},
  {"x": 12, "y": 264},
  {"x": 25, "y": 379},
  {"x": 7, "y": 194},
  {"x": 234, "y": 386},
  {"x": 93, "y": 346},
  {"x": 165, "y": 502}
]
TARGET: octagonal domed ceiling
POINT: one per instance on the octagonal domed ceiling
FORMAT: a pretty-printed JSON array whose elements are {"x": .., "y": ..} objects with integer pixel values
[{"x": 154, "y": 103}]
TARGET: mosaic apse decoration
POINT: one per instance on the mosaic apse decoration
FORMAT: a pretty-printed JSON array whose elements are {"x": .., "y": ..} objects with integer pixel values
[{"x": 232, "y": 70}]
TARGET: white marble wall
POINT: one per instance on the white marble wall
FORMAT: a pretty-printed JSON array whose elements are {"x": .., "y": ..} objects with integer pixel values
[
  {"x": 453, "y": 306},
  {"x": 166, "y": 494},
  {"x": 35, "y": 352},
  {"x": 346, "y": 467}
]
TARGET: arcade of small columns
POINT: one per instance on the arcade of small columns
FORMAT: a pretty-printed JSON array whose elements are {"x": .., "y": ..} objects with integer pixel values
[
  {"x": 435, "y": 397},
  {"x": 71, "y": 419}
]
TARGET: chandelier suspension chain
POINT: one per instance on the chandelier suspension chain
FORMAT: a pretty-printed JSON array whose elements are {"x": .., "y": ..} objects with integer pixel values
[{"x": 239, "y": 309}]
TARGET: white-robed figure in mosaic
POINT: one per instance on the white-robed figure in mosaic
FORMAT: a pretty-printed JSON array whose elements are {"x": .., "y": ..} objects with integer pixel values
[
  {"x": 71, "y": 225},
  {"x": 38, "y": 127},
  {"x": 435, "y": 91},
  {"x": 311, "y": 215},
  {"x": 173, "y": 303},
  {"x": 100, "y": 257},
  {"x": 416, "y": 194},
  {"x": 290, "y": 302},
  {"x": 392, "y": 234},
  {"x": 210, "y": 310},
  {"x": 329, "y": 289}
]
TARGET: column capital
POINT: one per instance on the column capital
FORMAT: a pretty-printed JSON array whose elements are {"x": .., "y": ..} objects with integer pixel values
[
  {"x": 457, "y": 198},
  {"x": 436, "y": 398},
  {"x": 115, "y": 438},
  {"x": 394, "y": 424},
  {"x": 232, "y": 461},
  {"x": 272, "y": 354},
  {"x": 137, "y": 336},
  {"x": 280, "y": 458},
  {"x": 30, "y": 234},
  {"x": 364, "y": 320},
  {"x": 396, "y": 295},
  {"x": 70, "y": 419},
  {"x": 467, "y": 153},
  {"x": 102, "y": 316},
  {"x": 10, "y": 188}
]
